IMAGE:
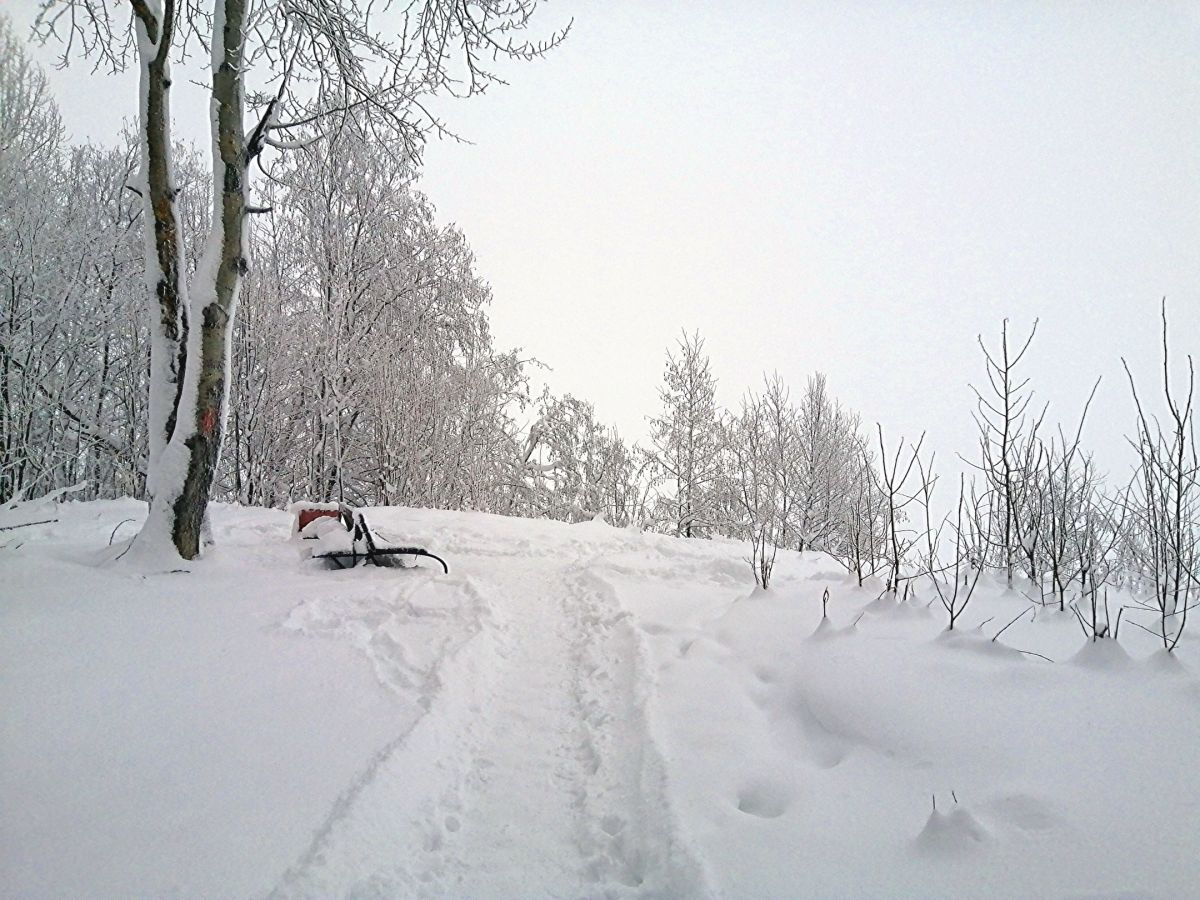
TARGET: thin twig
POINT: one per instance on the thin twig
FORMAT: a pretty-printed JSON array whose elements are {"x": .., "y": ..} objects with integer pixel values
[
  {"x": 27, "y": 524},
  {"x": 1009, "y": 625},
  {"x": 114, "y": 531}
]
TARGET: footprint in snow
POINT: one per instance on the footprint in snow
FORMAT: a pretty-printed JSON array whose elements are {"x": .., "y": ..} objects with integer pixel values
[
  {"x": 764, "y": 799},
  {"x": 1023, "y": 812}
]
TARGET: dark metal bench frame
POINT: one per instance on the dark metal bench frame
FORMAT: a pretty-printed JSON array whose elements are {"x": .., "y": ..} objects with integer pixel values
[{"x": 373, "y": 552}]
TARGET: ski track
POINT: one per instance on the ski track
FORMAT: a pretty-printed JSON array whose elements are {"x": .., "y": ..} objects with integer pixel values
[{"x": 530, "y": 769}]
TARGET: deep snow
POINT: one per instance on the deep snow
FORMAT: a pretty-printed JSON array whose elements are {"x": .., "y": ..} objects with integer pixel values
[{"x": 575, "y": 710}]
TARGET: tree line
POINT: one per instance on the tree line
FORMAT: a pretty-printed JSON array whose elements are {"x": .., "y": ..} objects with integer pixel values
[{"x": 362, "y": 369}]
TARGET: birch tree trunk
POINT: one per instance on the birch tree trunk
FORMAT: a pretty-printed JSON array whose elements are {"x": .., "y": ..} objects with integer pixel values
[
  {"x": 189, "y": 461},
  {"x": 167, "y": 290}
]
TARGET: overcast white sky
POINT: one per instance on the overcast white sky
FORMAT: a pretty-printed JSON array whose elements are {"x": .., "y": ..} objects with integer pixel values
[{"x": 858, "y": 188}]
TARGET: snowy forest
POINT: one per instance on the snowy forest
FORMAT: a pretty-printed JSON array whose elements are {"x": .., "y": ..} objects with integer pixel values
[
  {"x": 196, "y": 338},
  {"x": 359, "y": 303}
]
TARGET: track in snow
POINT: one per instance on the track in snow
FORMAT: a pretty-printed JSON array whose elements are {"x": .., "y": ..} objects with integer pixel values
[{"x": 532, "y": 773}]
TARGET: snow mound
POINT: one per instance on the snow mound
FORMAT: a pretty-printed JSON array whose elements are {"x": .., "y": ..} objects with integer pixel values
[
  {"x": 1103, "y": 655},
  {"x": 954, "y": 833}
]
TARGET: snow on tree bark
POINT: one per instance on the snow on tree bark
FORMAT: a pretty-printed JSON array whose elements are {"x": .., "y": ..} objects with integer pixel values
[
  {"x": 184, "y": 478},
  {"x": 167, "y": 289}
]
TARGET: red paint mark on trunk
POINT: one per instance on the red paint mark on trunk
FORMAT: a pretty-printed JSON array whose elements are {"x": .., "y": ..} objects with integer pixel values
[{"x": 208, "y": 421}]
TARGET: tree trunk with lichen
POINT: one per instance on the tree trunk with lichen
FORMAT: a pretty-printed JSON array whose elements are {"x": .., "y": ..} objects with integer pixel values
[
  {"x": 167, "y": 290},
  {"x": 229, "y": 223},
  {"x": 188, "y": 463}
]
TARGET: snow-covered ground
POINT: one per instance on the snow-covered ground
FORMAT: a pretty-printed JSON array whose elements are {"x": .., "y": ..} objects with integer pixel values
[{"x": 575, "y": 710}]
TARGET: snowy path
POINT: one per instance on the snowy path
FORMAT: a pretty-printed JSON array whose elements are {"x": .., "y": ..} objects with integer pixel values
[
  {"x": 574, "y": 711},
  {"x": 531, "y": 774}
]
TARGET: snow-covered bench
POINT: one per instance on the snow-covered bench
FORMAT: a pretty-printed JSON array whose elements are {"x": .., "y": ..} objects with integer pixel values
[{"x": 343, "y": 537}]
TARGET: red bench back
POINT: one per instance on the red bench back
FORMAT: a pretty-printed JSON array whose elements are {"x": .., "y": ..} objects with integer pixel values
[{"x": 310, "y": 515}]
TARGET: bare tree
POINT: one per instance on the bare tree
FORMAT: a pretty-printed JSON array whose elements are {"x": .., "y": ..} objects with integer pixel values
[
  {"x": 1062, "y": 491},
  {"x": 893, "y": 476},
  {"x": 1096, "y": 535},
  {"x": 362, "y": 361},
  {"x": 686, "y": 441},
  {"x": 753, "y": 487},
  {"x": 782, "y": 441},
  {"x": 862, "y": 530},
  {"x": 1165, "y": 503},
  {"x": 955, "y": 577},
  {"x": 576, "y": 468},
  {"x": 1007, "y": 448},
  {"x": 827, "y": 462},
  {"x": 30, "y": 125},
  {"x": 325, "y": 63},
  {"x": 67, "y": 345}
]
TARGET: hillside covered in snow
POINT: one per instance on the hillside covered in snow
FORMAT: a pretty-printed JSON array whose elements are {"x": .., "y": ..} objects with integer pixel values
[{"x": 575, "y": 710}]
